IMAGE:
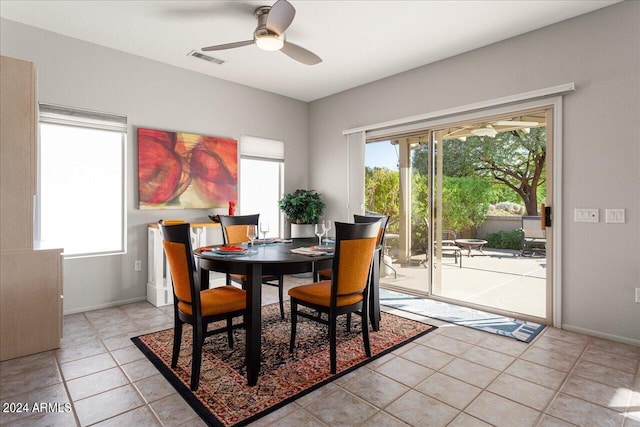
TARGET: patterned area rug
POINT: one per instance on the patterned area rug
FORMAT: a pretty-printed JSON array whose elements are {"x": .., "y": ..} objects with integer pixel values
[
  {"x": 224, "y": 398},
  {"x": 520, "y": 330}
]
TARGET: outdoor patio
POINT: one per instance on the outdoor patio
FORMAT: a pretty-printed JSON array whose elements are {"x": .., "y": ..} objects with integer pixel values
[{"x": 498, "y": 278}]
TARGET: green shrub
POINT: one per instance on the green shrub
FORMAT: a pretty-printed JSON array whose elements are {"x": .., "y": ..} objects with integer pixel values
[{"x": 505, "y": 239}]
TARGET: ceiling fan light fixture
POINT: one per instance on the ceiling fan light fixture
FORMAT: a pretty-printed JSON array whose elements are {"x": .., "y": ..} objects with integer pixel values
[
  {"x": 485, "y": 131},
  {"x": 270, "y": 42}
]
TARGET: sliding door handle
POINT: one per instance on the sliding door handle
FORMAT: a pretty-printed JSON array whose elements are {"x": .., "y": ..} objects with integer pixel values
[{"x": 546, "y": 218}]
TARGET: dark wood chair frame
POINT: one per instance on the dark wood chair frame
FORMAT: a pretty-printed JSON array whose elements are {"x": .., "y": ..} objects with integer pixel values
[
  {"x": 344, "y": 231},
  {"x": 227, "y": 220},
  {"x": 374, "y": 290},
  {"x": 181, "y": 233}
]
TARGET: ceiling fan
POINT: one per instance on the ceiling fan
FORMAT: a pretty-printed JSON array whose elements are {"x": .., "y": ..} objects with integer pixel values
[
  {"x": 269, "y": 34},
  {"x": 490, "y": 129}
]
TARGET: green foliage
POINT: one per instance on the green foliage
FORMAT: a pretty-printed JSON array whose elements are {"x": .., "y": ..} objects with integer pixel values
[
  {"x": 515, "y": 160},
  {"x": 465, "y": 201},
  {"x": 505, "y": 239},
  {"x": 499, "y": 193},
  {"x": 419, "y": 211},
  {"x": 302, "y": 207},
  {"x": 382, "y": 194}
]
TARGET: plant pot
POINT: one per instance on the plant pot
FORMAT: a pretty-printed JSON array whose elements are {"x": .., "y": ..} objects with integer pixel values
[{"x": 302, "y": 230}]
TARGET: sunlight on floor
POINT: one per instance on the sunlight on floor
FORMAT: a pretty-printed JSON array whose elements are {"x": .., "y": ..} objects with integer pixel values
[{"x": 499, "y": 279}]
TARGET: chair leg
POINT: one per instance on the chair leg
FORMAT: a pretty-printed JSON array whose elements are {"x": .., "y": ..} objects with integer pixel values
[
  {"x": 332, "y": 342},
  {"x": 280, "y": 294},
  {"x": 230, "y": 331},
  {"x": 348, "y": 322},
  {"x": 365, "y": 329},
  {"x": 294, "y": 321},
  {"x": 177, "y": 340},
  {"x": 196, "y": 358}
]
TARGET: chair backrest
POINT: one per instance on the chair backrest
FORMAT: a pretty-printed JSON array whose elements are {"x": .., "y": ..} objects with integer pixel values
[
  {"x": 531, "y": 227},
  {"x": 234, "y": 227},
  {"x": 355, "y": 245},
  {"x": 369, "y": 218},
  {"x": 177, "y": 247}
]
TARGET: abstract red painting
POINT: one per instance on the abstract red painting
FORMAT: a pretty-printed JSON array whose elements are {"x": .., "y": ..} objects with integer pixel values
[{"x": 178, "y": 170}]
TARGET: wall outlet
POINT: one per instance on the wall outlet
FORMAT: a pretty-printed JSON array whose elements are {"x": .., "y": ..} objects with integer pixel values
[
  {"x": 614, "y": 216},
  {"x": 137, "y": 265},
  {"x": 586, "y": 215},
  {"x": 638, "y": 295}
]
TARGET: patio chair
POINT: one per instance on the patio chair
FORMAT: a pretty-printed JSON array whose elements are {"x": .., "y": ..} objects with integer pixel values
[
  {"x": 448, "y": 246},
  {"x": 534, "y": 239}
]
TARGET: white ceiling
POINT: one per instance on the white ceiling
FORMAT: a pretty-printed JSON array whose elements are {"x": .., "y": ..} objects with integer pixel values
[{"x": 359, "y": 41}]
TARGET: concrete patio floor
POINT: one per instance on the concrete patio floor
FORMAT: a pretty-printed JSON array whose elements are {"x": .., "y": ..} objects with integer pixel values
[{"x": 499, "y": 279}]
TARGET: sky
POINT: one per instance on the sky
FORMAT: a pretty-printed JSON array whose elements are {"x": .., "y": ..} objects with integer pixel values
[{"x": 381, "y": 154}]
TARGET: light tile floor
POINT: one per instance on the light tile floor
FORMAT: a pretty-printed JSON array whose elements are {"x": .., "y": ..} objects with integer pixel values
[{"x": 454, "y": 376}]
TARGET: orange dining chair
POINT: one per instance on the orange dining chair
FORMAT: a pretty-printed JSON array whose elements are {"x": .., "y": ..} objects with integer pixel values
[
  {"x": 192, "y": 305},
  {"x": 346, "y": 292},
  {"x": 374, "y": 292},
  {"x": 234, "y": 230},
  {"x": 326, "y": 273}
]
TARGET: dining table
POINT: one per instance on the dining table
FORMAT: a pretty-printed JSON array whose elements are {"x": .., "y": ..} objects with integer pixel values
[{"x": 270, "y": 258}]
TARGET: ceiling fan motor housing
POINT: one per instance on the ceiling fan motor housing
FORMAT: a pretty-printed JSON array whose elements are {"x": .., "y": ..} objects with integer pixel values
[{"x": 265, "y": 38}]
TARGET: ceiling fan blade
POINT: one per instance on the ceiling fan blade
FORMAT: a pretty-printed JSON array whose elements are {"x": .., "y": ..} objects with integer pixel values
[
  {"x": 280, "y": 16},
  {"x": 300, "y": 54},
  {"x": 514, "y": 123},
  {"x": 228, "y": 45}
]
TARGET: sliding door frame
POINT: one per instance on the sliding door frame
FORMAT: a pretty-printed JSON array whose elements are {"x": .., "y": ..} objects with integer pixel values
[{"x": 447, "y": 118}]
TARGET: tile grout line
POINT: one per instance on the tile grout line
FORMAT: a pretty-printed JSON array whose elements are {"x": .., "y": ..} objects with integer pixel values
[{"x": 64, "y": 383}]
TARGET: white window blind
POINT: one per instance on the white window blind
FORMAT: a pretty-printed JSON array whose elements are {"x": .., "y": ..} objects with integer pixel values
[{"x": 261, "y": 148}]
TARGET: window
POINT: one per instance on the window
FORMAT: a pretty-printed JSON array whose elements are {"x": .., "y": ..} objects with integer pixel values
[
  {"x": 81, "y": 182},
  {"x": 261, "y": 180}
]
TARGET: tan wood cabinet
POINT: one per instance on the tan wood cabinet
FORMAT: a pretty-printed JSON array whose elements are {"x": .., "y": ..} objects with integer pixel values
[
  {"x": 17, "y": 153},
  {"x": 30, "y": 280}
]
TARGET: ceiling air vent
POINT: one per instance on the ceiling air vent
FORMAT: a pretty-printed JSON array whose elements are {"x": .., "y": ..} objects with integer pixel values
[{"x": 204, "y": 57}]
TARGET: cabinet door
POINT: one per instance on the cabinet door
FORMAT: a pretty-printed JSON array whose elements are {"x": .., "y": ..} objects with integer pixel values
[
  {"x": 17, "y": 153},
  {"x": 30, "y": 303}
]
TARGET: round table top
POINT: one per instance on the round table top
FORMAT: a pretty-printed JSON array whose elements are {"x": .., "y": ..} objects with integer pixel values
[
  {"x": 471, "y": 242},
  {"x": 269, "y": 253}
]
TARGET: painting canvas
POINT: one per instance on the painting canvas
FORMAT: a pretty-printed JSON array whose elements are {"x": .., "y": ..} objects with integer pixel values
[{"x": 178, "y": 170}]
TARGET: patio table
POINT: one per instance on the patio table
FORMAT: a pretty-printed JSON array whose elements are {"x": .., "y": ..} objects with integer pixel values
[{"x": 469, "y": 244}]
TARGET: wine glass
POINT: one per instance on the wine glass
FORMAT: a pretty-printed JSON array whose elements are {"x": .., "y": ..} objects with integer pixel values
[
  {"x": 327, "y": 226},
  {"x": 320, "y": 232},
  {"x": 252, "y": 233},
  {"x": 264, "y": 229}
]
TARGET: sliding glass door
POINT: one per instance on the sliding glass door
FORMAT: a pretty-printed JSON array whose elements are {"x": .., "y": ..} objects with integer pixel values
[{"x": 467, "y": 194}]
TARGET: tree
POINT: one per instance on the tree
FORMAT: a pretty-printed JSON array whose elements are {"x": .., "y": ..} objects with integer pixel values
[
  {"x": 515, "y": 159},
  {"x": 466, "y": 202},
  {"x": 382, "y": 193}
]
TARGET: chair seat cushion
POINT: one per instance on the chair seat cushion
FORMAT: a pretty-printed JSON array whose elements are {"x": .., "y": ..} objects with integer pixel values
[
  {"x": 220, "y": 300},
  {"x": 319, "y": 293}
]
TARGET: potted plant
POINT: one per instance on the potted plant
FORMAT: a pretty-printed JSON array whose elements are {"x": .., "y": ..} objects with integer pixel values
[{"x": 303, "y": 208}]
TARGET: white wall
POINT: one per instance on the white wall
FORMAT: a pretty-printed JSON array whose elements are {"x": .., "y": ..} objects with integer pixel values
[
  {"x": 154, "y": 95},
  {"x": 600, "y": 52}
]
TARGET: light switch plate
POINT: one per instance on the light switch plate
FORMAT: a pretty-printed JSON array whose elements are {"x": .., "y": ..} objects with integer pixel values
[
  {"x": 614, "y": 216},
  {"x": 586, "y": 215}
]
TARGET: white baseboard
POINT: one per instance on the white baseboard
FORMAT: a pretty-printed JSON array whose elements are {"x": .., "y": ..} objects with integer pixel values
[
  {"x": 603, "y": 335},
  {"x": 106, "y": 305}
]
